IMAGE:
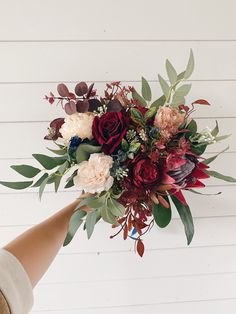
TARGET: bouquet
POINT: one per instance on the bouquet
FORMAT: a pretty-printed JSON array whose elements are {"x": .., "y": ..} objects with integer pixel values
[{"x": 134, "y": 156}]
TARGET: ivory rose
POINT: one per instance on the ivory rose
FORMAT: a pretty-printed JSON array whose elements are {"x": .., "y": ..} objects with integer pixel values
[
  {"x": 77, "y": 124},
  {"x": 168, "y": 120},
  {"x": 93, "y": 176}
]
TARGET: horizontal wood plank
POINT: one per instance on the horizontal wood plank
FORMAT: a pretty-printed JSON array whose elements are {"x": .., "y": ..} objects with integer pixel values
[
  {"x": 76, "y": 20},
  {"x": 105, "y": 61}
]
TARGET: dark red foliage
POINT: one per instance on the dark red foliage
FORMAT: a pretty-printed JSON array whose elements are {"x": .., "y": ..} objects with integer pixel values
[{"x": 54, "y": 128}]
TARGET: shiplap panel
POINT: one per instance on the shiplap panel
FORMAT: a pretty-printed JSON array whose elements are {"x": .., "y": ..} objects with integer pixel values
[
  {"x": 170, "y": 263},
  {"x": 135, "y": 292},
  {"x": 133, "y": 19},
  {"x": 57, "y": 61},
  {"x": 25, "y": 208},
  {"x": 28, "y": 104},
  {"x": 211, "y": 306},
  {"x": 211, "y": 231},
  {"x": 24, "y": 139}
]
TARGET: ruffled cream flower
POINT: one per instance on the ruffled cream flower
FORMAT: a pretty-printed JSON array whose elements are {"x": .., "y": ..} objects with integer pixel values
[
  {"x": 77, "y": 124},
  {"x": 168, "y": 120},
  {"x": 94, "y": 176}
]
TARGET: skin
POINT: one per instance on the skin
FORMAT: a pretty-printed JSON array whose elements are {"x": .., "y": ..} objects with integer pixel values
[{"x": 37, "y": 247}]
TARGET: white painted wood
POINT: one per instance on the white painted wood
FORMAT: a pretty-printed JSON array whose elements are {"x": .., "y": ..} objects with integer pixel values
[
  {"x": 136, "y": 292},
  {"x": 24, "y": 102},
  {"x": 211, "y": 306},
  {"x": 133, "y": 19},
  {"x": 45, "y": 42},
  {"x": 96, "y": 60}
]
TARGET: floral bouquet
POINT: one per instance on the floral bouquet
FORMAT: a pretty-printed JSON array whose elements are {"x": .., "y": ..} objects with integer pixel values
[{"x": 134, "y": 156}]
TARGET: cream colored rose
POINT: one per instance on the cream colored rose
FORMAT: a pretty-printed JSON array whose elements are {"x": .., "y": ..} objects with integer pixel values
[
  {"x": 168, "y": 120},
  {"x": 77, "y": 124},
  {"x": 94, "y": 176}
]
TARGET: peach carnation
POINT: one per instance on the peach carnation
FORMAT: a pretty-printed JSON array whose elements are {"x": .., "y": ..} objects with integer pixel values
[{"x": 94, "y": 176}]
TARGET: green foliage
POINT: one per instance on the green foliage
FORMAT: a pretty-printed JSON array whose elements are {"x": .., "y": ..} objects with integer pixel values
[
  {"x": 164, "y": 86},
  {"x": 162, "y": 215},
  {"x": 17, "y": 185},
  {"x": 146, "y": 90},
  {"x": 216, "y": 130},
  {"x": 198, "y": 149},
  {"x": 141, "y": 100},
  {"x": 159, "y": 102},
  {"x": 190, "y": 66},
  {"x": 26, "y": 171},
  {"x": 40, "y": 180},
  {"x": 180, "y": 93},
  {"x": 137, "y": 117},
  {"x": 85, "y": 150},
  {"x": 186, "y": 217},
  {"x": 60, "y": 152},
  {"x": 115, "y": 207},
  {"x": 46, "y": 161},
  {"x": 42, "y": 187},
  {"x": 150, "y": 113},
  {"x": 220, "y": 176},
  {"x": 74, "y": 224},
  {"x": 91, "y": 220},
  {"x": 210, "y": 159},
  {"x": 171, "y": 72}
]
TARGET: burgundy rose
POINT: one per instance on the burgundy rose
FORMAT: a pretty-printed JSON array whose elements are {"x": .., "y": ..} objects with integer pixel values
[
  {"x": 109, "y": 129},
  {"x": 144, "y": 173}
]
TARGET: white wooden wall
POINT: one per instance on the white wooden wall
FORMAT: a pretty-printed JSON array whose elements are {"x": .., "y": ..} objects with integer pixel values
[{"x": 46, "y": 42}]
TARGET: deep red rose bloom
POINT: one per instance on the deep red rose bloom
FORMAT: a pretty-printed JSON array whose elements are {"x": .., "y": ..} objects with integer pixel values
[
  {"x": 144, "y": 173},
  {"x": 109, "y": 129}
]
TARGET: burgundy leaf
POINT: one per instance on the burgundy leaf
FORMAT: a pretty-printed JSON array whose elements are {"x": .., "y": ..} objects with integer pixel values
[
  {"x": 62, "y": 89},
  {"x": 140, "y": 247},
  {"x": 90, "y": 89},
  {"x": 70, "y": 107},
  {"x": 114, "y": 106},
  {"x": 82, "y": 105},
  {"x": 81, "y": 89},
  {"x": 201, "y": 102},
  {"x": 94, "y": 104},
  {"x": 54, "y": 128}
]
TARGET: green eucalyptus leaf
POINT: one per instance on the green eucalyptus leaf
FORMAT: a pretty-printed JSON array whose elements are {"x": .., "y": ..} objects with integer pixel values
[
  {"x": 146, "y": 90},
  {"x": 190, "y": 66},
  {"x": 74, "y": 224},
  {"x": 107, "y": 216},
  {"x": 164, "y": 86},
  {"x": 26, "y": 171},
  {"x": 216, "y": 130},
  {"x": 141, "y": 100},
  {"x": 137, "y": 116},
  {"x": 60, "y": 152},
  {"x": 159, "y": 102},
  {"x": 40, "y": 180},
  {"x": 91, "y": 219},
  {"x": 42, "y": 187},
  {"x": 181, "y": 76},
  {"x": 185, "y": 216},
  {"x": 69, "y": 184},
  {"x": 57, "y": 182},
  {"x": 93, "y": 202},
  {"x": 150, "y": 113},
  {"x": 171, "y": 72},
  {"x": 46, "y": 161},
  {"x": 115, "y": 207},
  {"x": 210, "y": 159},
  {"x": 199, "y": 149},
  {"x": 17, "y": 185},
  {"x": 183, "y": 90},
  {"x": 63, "y": 167},
  {"x": 162, "y": 215},
  {"x": 220, "y": 176},
  {"x": 84, "y": 151},
  {"x": 199, "y": 193},
  {"x": 223, "y": 137}
]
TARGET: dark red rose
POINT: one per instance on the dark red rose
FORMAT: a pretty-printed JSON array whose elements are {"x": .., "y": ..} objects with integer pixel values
[
  {"x": 144, "y": 173},
  {"x": 109, "y": 129}
]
